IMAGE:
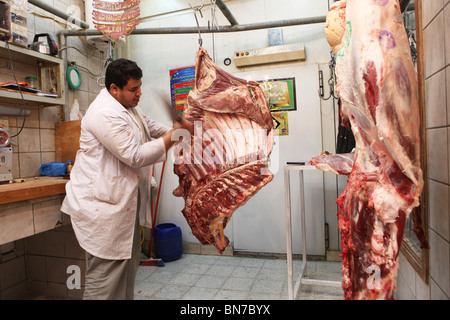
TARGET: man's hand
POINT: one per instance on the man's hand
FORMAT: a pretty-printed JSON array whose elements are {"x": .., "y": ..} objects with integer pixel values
[{"x": 182, "y": 123}]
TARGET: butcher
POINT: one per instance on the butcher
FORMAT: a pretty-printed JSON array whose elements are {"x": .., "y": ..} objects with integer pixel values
[{"x": 106, "y": 197}]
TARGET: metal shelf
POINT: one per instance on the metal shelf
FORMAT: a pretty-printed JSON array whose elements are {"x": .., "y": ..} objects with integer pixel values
[
  {"x": 7, "y": 96},
  {"x": 26, "y": 55},
  {"x": 36, "y": 60}
]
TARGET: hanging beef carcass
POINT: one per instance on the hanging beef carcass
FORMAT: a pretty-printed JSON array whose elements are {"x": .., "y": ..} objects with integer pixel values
[
  {"x": 226, "y": 161},
  {"x": 377, "y": 84}
]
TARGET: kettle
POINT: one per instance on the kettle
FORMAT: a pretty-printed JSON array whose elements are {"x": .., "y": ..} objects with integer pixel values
[{"x": 48, "y": 47}]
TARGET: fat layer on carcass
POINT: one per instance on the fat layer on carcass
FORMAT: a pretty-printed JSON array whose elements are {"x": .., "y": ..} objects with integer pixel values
[
  {"x": 377, "y": 84},
  {"x": 226, "y": 162}
]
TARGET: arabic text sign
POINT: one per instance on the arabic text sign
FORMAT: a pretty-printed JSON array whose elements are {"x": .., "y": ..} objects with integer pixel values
[{"x": 115, "y": 19}]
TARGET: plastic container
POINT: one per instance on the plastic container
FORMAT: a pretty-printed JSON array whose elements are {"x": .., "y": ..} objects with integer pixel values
[
  {"x": 53, "y": 169},
  {"x": 32, "y": 81},
  {"x": 168, "y": 242}
]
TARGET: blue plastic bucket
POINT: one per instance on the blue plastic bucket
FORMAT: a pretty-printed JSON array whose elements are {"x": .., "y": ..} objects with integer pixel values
[{"x": 168, "y": 242}]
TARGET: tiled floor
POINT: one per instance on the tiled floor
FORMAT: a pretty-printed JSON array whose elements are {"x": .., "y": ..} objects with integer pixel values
[{"x": 209, "y": 277}]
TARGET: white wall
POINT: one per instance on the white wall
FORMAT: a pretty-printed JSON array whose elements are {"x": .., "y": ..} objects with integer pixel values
[
  {"x": 156, "y": 54},
  {"x": 260, "y": 224}
]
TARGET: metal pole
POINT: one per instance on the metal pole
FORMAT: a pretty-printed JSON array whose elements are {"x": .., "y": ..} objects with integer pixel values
[
  {"x": 220, "y": 29},
  {"x": 303, "y": 217},
  {"x": 226, "y": 12},
  {"x": 63, "y": 43},
  {"x": 64, "y": 15},
  {"x": 287, "y": 198},
  {"x": 293, "y": 290}
]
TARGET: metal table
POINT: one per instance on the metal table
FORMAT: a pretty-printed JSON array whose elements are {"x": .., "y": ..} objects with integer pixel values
[{"x": 293, "y": 291}]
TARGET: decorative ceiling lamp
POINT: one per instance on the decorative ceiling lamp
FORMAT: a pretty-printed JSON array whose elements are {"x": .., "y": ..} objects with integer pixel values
[{"x": 115, "y": 19}]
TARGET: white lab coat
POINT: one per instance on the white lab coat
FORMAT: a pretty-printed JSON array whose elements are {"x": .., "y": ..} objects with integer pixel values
[{"x": 101, "y": 196}]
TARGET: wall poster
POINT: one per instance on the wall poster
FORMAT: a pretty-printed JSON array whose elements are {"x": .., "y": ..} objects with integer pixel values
[
  {"x": 280, "y": 94},
  {"x": 181, "y": 83},
  {"x": 280, "y": 123}
]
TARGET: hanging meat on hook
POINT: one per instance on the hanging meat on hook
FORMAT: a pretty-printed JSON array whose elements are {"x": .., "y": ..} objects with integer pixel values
[
  {"x": 226, "y": 161},
  {"x": 377, "y": 84}
]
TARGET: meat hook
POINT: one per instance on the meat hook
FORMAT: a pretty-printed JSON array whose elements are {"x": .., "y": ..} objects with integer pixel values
[
  {"x": 199, "y": 9},
  {"x": 213, "y": 16},
  {"x": 331, "y": 81}
]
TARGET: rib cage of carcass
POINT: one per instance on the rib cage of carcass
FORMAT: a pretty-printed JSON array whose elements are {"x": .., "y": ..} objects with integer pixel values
[
  {"x": 226, "y": 162},
  {"x": 377, "y": 85}
]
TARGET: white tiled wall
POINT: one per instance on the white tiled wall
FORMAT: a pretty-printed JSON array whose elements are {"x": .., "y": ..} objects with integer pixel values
[
  {"x": 436, "y": 32},
  {"x": 48, "y": 255},
  {"x": 36, "y": 143},
  {"x": 36, "y": 265}
]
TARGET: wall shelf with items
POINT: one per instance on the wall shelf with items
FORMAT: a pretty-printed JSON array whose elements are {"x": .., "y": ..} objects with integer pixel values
[{"x": 50, "y": 71}]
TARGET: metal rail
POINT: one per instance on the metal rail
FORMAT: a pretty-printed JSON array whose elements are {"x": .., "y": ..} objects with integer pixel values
[
  {"x": 226, "y": 12},
  {"x": 219, "y": 29}
]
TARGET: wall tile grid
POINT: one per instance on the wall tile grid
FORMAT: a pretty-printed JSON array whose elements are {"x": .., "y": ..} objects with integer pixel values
[
  {"x": 12, "y": 270},
  {"x": 48, "y": 256},
  {"x": 436, "y": 35},
  {"x": 36, "y": 143},
  {"x": 36, "y": 265}
]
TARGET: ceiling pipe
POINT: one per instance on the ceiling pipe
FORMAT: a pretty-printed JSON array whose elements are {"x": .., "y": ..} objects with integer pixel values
[
  {"x": 226, "y": 12},
  {"x": 64, "y": 15},
  {"x": 219, "y": 29}
]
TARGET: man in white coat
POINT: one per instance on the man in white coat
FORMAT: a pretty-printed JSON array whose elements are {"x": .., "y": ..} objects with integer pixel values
[{"x": 107, "y": 195}]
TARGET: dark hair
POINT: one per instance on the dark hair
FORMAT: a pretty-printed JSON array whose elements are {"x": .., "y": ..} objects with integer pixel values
[{"x": 120, "y": 71}]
